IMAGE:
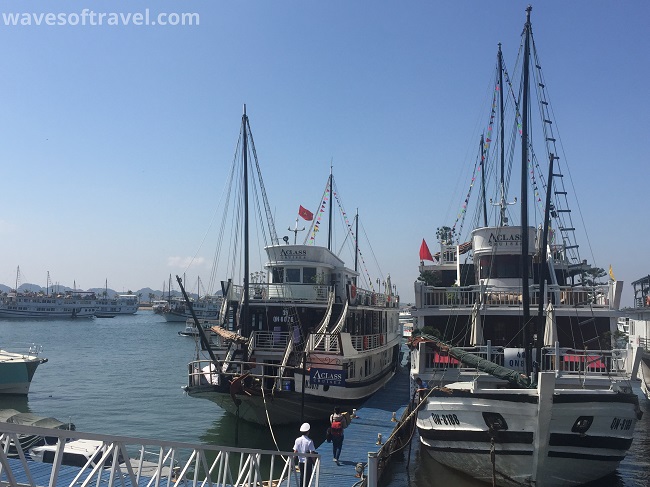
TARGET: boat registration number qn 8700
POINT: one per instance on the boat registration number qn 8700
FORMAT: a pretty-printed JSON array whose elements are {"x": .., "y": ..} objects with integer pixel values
[{"x": 447, "y": 419}]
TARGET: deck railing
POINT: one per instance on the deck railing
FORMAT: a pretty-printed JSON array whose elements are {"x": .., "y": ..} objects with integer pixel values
[
  {"x": 616, "y": 362},
  {"x": 170, "y": 463},
  {"x": 468, "y": 296},
  {"x": 281, "y": 292}
]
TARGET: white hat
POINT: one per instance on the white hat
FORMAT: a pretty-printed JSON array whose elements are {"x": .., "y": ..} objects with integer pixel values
[{"x": 304, "y": 428}]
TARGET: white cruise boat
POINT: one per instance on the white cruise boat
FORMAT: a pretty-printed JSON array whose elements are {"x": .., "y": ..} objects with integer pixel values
[
  {"x": 205, "y": 308},
  {"x": 406, "y": 322},
  {"x": 517, "y": 397},
  {"x": 302, "y": 336},
  {"x": 17, "y": 369},
  {"x": 72, "y": 304},
  {"x": 120, "y": 304}
]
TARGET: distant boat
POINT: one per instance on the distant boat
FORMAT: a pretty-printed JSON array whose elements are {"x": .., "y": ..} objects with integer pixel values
[
  {"x": 121, "y": 304},
  {"x": 159, "y": 305},
  {"x": 206, "y": 308},
  {"x": 406, "y": 322},
  {"x": 46, "y": 305},
  {"x": 191, "y": 330},
  {"x": 17, "y": 370},
  {"x": 39, "y": 305}
]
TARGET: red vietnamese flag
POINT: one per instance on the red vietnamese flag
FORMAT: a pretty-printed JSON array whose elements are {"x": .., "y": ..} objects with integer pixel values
[
  {"x": 425, "y": 254},
  {"x": 305, "y": 214}
]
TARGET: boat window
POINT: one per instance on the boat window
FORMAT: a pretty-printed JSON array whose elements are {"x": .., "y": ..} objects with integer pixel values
[
  {"x": 499, "y": 266},
  {"x": 293, "y": 275},
  {"x": 309, "y": 275},
  {"x": 278, "y": 274}
]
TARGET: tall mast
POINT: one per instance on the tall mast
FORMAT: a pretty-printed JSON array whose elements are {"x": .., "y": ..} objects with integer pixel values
[
  {"x": 481, "y": 152},
  {"x": 244, "y": 310},
  {"x": 543, "y": 267},
  {"x": 329, "y": 227},
  {"x": 525, "y": 292},
  {"x": 501, "y": 132},
  {"x": 356, "y": 242}
]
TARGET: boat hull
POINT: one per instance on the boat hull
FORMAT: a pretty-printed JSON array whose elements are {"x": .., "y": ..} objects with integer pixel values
[
  {"x": 542, "y": 446},
  {"x": 16, "y": 372},
  {"x": 286, "y": 406}
]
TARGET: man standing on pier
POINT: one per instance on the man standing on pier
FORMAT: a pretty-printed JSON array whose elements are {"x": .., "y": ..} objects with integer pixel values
[{"x": 304, "y": 444}]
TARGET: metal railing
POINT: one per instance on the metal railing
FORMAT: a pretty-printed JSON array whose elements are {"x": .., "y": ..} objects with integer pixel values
[
  {"x": 121, "y": 462},
  {"x": 561, "y": 360},
  {"x": 281, "y": 292},
  {"x": 467, "y": 296}
]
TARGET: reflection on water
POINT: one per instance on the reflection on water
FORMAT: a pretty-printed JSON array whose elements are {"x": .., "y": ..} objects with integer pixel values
[{"x": 227, "y": 431}]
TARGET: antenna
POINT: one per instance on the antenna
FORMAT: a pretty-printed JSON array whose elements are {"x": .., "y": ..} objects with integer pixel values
[{"x": 295, "y": 231}]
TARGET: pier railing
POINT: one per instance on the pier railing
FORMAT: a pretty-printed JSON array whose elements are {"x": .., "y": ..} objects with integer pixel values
[
  {"x": 468, "y": 296},
  {"x": 122, "y": 462}
]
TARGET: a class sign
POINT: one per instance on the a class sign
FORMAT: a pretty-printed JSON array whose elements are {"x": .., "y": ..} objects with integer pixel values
[{"x": 330, "y": 377}]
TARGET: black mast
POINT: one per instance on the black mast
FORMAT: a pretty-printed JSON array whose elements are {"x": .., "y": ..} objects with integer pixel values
[
  {"x": 525, "y": 292},
  {"x": 543, "y": 268},
  {"x": 482, "y": 153},
  {"x": 356, "y": 242},
  {"x": 329, "y": 227},
  {"x": 244, "y": 321},
  {"x": 501, "y": 136}
]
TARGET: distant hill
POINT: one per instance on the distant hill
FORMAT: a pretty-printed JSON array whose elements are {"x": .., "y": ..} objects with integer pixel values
[{"x": 145, "y": 294}]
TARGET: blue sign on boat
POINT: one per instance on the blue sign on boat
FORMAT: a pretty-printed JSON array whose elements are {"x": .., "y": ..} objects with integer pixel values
[{"x": 330, "y": 377}]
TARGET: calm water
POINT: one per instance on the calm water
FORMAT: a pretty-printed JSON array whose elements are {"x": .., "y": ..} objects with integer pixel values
[{"x": 123, "y": 376}]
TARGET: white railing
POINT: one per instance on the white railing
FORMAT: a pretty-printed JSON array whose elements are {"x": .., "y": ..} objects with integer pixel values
[
  {"x": 325, "y": 342},
  {"x": 560, "y": 296},
  {"x": 561, "y": 360},
  {"x": 282, "y": 292},
  {"x": 270, "y": 340},
  {"x": 170, "y": 463},
  {"x": 367, "y": 342}
]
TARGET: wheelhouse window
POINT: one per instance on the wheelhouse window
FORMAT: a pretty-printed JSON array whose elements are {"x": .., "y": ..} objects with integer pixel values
[
  {"x": 277, "y": 274},
  {"x": 292, "y": 274},
  {"x": 309, "y": 275},
  {"x": 500, "y": 266}
]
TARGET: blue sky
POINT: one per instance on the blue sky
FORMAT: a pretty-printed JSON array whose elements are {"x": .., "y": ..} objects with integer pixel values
[{"x": 115, "y": 141}]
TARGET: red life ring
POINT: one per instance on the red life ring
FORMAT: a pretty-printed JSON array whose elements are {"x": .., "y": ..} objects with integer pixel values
[
  {"x": 381, "y": 339},
  {"x": 365, "y": 343},
  {"x": 353, "y": 291}
]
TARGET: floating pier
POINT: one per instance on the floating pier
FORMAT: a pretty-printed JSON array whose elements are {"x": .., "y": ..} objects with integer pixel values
[{"x": 382, "y": 427}]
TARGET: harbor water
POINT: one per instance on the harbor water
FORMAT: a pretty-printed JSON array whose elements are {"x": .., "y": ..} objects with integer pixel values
[{"x": 124, "y": 376}]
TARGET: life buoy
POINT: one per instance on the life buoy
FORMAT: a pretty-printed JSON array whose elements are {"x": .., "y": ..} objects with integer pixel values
[
  {"x": 353, "y": 291},
  {"x": 647, "y": 300},
  {"x": 365, "y": 343},
  {"x": 381, "y": 339}
]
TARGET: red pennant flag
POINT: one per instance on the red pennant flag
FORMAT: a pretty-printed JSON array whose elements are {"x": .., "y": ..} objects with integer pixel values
[
  {"x": 425, "y": 254},
  {"x": 305, "y": 214}
]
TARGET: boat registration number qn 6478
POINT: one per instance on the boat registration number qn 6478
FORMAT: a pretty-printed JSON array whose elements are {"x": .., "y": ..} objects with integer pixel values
[{"x": 446, "y": 419}]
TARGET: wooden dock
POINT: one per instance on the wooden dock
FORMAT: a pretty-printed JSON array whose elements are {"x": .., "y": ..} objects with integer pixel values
[{"x": 361, "y": 437}]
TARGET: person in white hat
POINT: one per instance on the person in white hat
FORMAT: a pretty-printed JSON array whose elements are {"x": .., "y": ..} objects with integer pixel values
[{"x": 304, "y": 444}]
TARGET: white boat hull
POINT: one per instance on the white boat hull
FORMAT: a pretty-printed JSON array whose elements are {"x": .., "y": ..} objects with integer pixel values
[
  {"x": 16, "y": 372},
  {"x": 541, "y": 445}
]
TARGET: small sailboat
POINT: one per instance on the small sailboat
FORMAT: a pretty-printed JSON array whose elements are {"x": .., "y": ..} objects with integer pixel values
[{"x": 514, "y": 397}]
